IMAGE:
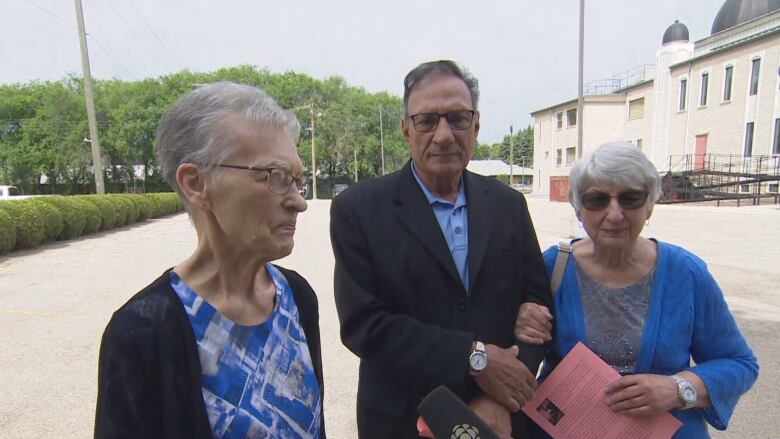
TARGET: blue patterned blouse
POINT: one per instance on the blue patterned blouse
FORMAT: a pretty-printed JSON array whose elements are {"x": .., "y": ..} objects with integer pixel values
[{"x": 257, "y": 381}]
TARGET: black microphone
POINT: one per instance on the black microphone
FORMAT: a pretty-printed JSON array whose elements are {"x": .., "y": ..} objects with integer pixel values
[{"x": 448, "y": 417}]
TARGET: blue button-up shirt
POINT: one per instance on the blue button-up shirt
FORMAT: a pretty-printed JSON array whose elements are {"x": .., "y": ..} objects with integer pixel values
[{"x": 454, "y": 223}]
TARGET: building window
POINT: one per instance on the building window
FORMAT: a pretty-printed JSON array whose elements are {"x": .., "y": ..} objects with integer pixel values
[
  {"x": 571, "y": 117},
  {"x": 558, "y": 157},
  {"x": 749, "y": 139},
  {"x": 683, "y": 93},
  {"x": 776, "y": 143},
  {"x": 639, "y": 144},
  {"x": 636, "y": 108},
  {"x": 559, "y": 120},
  {"x": 727, "y": 79},
  {"x": 571, "y": 155},
  {"x": 754, "y": 76},
  {"x": 773, "y": 187},
  {"x": 705, "y": 85},
  {"x": 744, "y": 188}
]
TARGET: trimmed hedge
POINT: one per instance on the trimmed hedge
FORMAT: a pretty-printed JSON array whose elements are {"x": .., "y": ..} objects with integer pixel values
[
  {"x": 165, "y": 203},
  {"x": 91, "y": 214},
  {"x": 74, "y": 218},
  {"x": 108, "y": 213},
  {"x": 52, "y": 219},
  {"x": 28, "y": 222},
  {"x": 7, "y": 233}
]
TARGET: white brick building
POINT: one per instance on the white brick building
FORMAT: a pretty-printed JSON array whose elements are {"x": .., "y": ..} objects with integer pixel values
[{"x": 718, "y": 95}]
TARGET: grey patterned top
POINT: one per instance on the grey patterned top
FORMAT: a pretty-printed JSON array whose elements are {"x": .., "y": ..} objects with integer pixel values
[{"x": 615, "y": 318}]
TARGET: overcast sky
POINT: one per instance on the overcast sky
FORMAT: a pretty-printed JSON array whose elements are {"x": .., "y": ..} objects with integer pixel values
[{"x": 524, "y": 53}]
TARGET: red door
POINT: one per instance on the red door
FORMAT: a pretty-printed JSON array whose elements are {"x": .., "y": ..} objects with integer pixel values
[
  {"x": 559, "y": 188},
  {"x": 701, "y": 151}
]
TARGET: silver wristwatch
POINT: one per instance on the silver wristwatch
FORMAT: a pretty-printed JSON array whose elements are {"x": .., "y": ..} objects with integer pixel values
[
  {"x": 478, "y": 358},
  {"x": 685, "y": 392}
]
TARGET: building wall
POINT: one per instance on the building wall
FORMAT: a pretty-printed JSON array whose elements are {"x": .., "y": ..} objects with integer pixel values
[
  {"x": 604, "y": 122},
  {"x": 639, "y": 128},
  {"x": 724, "y": 123},
  {"x": 663, "y": 97}
]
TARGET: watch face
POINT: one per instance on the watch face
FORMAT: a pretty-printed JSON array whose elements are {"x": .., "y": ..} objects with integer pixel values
[
  {"x": 478, "y": 361},
  {"x": 689, "y": 395}
]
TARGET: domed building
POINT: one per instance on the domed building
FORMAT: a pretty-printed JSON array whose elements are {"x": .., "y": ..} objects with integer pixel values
[{"x": 702, "y": 102}]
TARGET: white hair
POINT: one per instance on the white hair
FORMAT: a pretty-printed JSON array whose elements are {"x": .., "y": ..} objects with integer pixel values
[
  {"x": 619, "y": 164},
  {"x": 193, "y": 129}
]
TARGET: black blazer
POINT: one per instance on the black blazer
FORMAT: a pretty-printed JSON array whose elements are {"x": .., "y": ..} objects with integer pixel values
[
  {"x": 402, "y": 306},
  {"x": 149, "y": 371}
]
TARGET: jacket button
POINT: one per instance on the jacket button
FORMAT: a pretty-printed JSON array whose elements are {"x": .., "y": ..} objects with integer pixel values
[{"x": 461, "y": 304}]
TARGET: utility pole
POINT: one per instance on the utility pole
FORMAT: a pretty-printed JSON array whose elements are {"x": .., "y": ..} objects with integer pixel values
[
  {"x": 579, "y": 79},
  {"x": 381, "y": 140},
  {"x": 356, "y": 174},
  {"x": 511, "y": 156},
  {"x": 313, "y": 156},
  {"x": 97, "y": 162}
]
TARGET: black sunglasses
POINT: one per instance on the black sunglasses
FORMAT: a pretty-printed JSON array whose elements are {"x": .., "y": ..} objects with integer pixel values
[{"x": 629, "y": 200}]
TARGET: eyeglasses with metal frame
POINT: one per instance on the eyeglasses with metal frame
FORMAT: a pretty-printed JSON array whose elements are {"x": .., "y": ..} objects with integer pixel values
[
  {"x": 279, "y": 180},
  {"x": 629, "y": 200},
  {"x": 457, "y": 120}
]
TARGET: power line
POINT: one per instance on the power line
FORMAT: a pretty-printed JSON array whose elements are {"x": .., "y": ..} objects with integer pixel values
[
  {"x": 138, "y": 37},
  {"x": 133, "y": 75},
  {"x": 132, "y": 3},
  {"x": 51, "y": 13},
  {"x": 96, "y": 23},
  {"x": 93, "y": 39}
]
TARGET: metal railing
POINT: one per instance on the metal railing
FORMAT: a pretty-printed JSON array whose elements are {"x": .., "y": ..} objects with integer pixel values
[
  {"x": 716, "y": 177},
  {"x": 620, "y": 81}
]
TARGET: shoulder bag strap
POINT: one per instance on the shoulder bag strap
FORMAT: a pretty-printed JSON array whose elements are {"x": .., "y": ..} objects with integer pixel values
[{"x": 564, "y": 249}]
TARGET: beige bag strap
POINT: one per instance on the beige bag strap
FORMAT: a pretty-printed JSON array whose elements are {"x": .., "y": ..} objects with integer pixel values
[{"x": 564, "y": 249}]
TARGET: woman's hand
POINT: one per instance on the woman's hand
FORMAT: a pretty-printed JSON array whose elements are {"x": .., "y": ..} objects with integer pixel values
[
  {"x": 533, "y": 324},
  {"x": 643, "y": 395}
]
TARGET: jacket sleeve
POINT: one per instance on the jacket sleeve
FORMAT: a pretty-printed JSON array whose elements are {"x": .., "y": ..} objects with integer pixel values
[
  {"x": 535, "y": 284},
  {"x": 724, "y": 361},
  {"x": 127, "y": 406},
  {"x": 370, "y": 327}
]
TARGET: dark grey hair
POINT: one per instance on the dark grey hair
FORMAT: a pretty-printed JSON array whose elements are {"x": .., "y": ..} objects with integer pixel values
[
  {"x": 440, "y": 67},
  {"x": 615, "y": 163},
  {"x": 193, "y": 129}
]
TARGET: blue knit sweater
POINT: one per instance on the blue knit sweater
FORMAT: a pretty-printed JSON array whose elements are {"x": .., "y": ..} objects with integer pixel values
[{"x": 688, "y": 319}]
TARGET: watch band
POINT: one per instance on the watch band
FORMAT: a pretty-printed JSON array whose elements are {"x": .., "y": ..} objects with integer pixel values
[
  {"x": 686, "y": 392},
  {"x": 477, "y": 358}
]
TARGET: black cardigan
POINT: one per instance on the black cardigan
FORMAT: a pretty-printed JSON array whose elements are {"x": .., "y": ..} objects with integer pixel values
[{"x": 149, "y": 377}]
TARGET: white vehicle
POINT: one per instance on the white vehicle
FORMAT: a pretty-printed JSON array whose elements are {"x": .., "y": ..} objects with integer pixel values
[{"x": 11, "y": 193}]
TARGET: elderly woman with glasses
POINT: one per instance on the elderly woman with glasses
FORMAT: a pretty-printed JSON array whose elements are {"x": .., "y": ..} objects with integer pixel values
[
  {"x": 225, "y": 344},
  {"x": 646, "y": 307}
]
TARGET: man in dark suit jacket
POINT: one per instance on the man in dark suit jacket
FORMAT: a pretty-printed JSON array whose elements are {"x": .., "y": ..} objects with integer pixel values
[{"x": 432, "y": 264}]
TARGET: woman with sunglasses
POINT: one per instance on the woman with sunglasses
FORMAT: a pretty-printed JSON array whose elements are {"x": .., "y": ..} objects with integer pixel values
[
  {"x": 225, "y": 344},
  {"x": 646, "y": 307}
]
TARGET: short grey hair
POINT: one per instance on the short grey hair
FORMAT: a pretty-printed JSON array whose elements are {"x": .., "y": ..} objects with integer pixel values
[
  {"x": 446, "y": 67},
  {"x": 615, "y": 163},
  {"x": 193, "y": 129}
]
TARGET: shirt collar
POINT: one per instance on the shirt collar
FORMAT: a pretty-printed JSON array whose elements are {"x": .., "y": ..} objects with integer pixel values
[{"x": 460, "y": 200}]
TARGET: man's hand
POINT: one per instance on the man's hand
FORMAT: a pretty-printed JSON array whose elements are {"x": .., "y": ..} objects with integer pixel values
[
  {"x": 495, "y": 415},
  {"x": 506, "y": 379},
  {"x": 643, "y": 395},
  {"x": 534, "y": 324}
]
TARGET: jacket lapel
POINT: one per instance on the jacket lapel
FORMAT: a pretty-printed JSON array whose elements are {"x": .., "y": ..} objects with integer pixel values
[
  {"x": 416, "y": 214},
  {"x": 479, "y": 202}
]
